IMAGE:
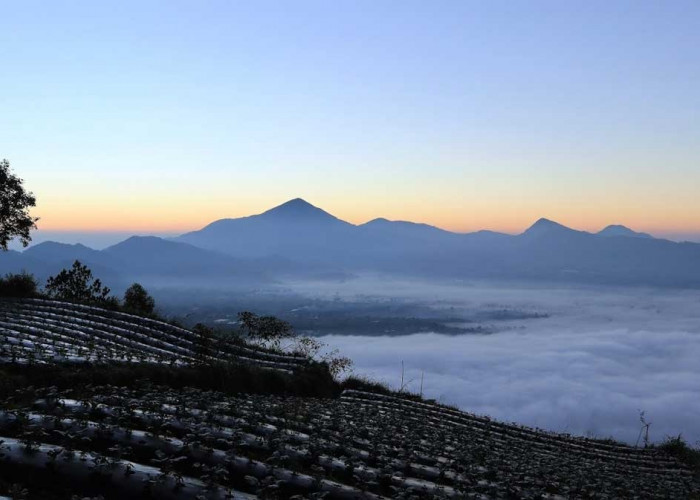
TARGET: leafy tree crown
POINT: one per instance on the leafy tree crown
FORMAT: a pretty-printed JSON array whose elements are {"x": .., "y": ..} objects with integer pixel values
[
  {"x": 77, "y": 285},
  {"x": 137, "y": 299},
  {"x": 15, "y": 202}
]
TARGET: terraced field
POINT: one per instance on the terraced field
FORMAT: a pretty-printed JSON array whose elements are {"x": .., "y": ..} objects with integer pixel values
[
  {"x": 37, "y": 330},
  {"x": 146, "y": 440}
]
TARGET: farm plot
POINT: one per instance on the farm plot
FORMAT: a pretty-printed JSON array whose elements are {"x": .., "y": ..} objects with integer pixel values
[
  {"x": 40, "y": 331},
  {"x": 190, "y": 443}
]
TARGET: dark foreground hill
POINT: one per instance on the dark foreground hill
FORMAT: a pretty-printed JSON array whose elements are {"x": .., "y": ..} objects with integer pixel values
[{"x": 99, "y": 403}]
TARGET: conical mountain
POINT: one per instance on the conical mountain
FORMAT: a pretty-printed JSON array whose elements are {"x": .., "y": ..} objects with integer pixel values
[{"x": 295, "y": 229}]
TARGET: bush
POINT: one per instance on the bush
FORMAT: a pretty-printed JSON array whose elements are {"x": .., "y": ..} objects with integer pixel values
[
  {"x": 678, "y": 448},
  {"x": 138, "y": 301},
  {"x": 19, "y": 285}
]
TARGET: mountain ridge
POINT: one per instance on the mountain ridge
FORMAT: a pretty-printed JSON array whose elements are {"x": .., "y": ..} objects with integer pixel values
[{"x": 299, "y": 239}]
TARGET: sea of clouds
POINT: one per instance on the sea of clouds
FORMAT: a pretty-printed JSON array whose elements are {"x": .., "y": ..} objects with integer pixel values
[{"x": 601, "y": 357}]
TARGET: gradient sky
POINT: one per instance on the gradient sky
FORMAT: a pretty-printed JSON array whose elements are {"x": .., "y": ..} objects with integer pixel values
[{"x": 163, "y": 116}]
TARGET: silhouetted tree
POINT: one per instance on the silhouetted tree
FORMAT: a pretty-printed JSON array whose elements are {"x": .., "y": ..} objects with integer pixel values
[
  {"x": 15, "y": 202},
  {"x": 19, "y": 285},
  {"x": 265, "y": 328},
  {"x": 77, "y": 285},
  {"x": 137, "y": 300}
]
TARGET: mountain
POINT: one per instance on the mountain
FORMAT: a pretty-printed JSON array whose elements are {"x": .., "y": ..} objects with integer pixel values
[
  {"x": 404, "y": 228},
  {"x": 156, "y": 256},
  {"x": 17, "y": 262},
  {"x": 300, "y": 210},
  {"x": 547, "y": 250},
  {"x": 548, "y": 228},
  {"x": 618, "y": 230},
  {"x": 299, "y": 240},
  {"x": 295, "y": 229},
  {"x": 146, "y": 259},
  {"x": 53, "y": 252}
]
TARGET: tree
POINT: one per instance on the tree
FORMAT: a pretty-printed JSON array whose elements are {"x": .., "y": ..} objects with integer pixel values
[
  {"x": 15, "y": 202},
  {"x": 19, "y": 285},
  {"x": 265, "y": 329},
  {"x": 310, "y": 347},
  {"x": 77, "y": 285},
  {"x": 137, "y": 300}
]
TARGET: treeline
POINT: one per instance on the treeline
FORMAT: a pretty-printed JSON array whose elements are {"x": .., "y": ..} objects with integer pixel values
[{"x": 78, "y": 285}]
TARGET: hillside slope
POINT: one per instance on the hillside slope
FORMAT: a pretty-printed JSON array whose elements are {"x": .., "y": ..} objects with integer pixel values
[{"x": 138, "y": 439}]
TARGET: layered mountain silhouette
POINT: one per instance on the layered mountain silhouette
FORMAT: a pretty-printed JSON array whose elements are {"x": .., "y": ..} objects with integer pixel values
[
  {"x": 301, "y": 240},
  {"x": 147, "y": 259}
]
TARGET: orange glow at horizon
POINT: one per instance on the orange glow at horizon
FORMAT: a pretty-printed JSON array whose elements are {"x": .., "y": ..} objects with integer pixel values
[{"x": 179, "y": 219}]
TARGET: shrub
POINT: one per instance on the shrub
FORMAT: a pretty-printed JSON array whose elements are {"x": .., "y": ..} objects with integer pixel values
[
  {"x": 19, "y": 285},
  {"x": 677, "y": 447},
  {"x": 310, "y": 347}
]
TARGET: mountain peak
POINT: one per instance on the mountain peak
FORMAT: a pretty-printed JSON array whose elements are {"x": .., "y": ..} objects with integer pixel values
[
  {"x": 55, "y": 249},
  {"x": 298, "y": 209},
  {"x": 542, "y": 225},
  {"x": 296, "y": 203},
  {"x": 547, "y": 227},
  {"x": 620, "y": 230},
  {"x": 378, "y": 220}
]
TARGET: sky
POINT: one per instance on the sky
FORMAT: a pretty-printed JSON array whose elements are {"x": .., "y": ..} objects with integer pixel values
[{"x": 160, "y": 117}]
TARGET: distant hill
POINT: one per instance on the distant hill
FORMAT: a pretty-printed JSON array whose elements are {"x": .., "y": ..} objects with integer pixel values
[
  {"x": 618, "y": 230},
  {"x": 51, "y": 251},
  {"x": 297, "y": 239},
  {"x": 147, "y": 259}
]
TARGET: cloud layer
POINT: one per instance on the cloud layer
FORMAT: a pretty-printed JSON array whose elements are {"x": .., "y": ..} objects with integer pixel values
[{"x": 588, "y": 369}]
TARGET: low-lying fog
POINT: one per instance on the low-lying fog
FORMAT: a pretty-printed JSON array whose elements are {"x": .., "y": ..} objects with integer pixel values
[{"x": 600, "y": 357}]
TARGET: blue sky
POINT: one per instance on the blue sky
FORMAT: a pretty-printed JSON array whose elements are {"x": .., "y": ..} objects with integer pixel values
[{"x": 162, "y": 116}]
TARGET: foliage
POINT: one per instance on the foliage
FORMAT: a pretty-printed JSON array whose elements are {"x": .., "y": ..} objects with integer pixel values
[
  {"x": 77, "y": 285},
  {"x": 270, "y": 330},
  {"x": 310, "y": 347},
  {"x": 138, "y": 301},
  {"x": 265, "y": 329},
  {"x": 677, "y": 447},
  {"x": 19, "y": 285},
  {"x": 15, "y": 202},
  {"x": 337, "y": 365}
]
